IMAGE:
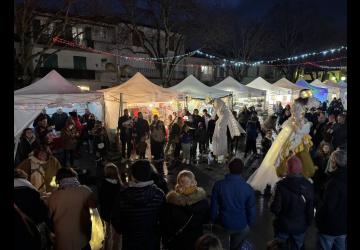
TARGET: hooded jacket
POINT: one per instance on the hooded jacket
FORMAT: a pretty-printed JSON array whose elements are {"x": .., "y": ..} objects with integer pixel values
[
  {"x": 178, "y": 210},
  {"x": 293, "y": 205},
  {"x": 233, "y": 203},
  {"x": 331, "y": 215},
  {"x": 136, "y": 215}
]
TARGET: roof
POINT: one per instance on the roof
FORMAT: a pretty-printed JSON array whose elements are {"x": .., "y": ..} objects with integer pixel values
[
  {"x": 261, "y": 83},
  {"x": 138, "y": 89},
  {"x": 52, "y": 83},
  {"x": 231, "y": 85},
  {"x": 192, "y": 87},
  {"x": 342, "y": 84},
  {"x": 319, "y": 93},
  {"x": 318, "y": 83},
  {"x": 285, "y": 83},
  {"x": 331, "y": 84}
]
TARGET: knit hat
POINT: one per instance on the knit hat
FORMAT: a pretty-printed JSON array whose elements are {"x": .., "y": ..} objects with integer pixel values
[
  {"x": 141, "y": 170},
  {"x": 294, "y": 165}
]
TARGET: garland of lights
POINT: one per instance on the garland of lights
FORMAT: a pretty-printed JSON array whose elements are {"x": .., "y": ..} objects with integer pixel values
[{"x": 152, "y": 60}]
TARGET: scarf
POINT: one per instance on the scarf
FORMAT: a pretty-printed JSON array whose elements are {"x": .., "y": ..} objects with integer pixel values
[
  {"x": 20, "y": 182},
  {"x": 68, "y": 182},
  {"x": 140, "y": 184},
  {"x": 185, "y": 191}
]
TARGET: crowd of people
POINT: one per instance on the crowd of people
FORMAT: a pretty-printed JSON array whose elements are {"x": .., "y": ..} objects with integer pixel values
[{"x": 143, "y": 214}]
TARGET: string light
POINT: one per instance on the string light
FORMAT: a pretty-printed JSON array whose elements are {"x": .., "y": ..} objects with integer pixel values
[{"x": 224, "y": 63}]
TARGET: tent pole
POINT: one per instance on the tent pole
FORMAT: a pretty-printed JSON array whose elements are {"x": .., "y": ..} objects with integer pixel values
[{"x": 121, "y": 105}]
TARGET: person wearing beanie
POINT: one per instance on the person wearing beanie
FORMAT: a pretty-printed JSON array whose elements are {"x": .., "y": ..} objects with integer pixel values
[
  {"x": 136, "y": 211},
  {"x": 233, "y": 204},
  {"x": 292, "y": 205},
  {"x": 331, "y": 216}
]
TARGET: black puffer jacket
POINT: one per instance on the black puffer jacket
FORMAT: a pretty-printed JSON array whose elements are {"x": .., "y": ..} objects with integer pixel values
[
  {"x": 293, "y": 205},
  {"x": 177, "y": 213},
  {"x": 331, "y": 213},
  {"x": 136, "y": 215},
  {"x": 107, "y": 194}
]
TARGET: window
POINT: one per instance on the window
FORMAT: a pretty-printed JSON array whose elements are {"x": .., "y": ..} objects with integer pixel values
[
  {"x": 78, "y": 34},
  {"x": 102, "y": 33},
  {"x": 222, "y": 72},
  {"x": 80, "y": 62},
  {"x": 205, "y": 69},
  {"x": 50, "y": 61}
]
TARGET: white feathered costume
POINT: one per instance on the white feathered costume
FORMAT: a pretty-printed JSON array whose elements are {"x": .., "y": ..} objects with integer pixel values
[{"x": 226, "y": 119}]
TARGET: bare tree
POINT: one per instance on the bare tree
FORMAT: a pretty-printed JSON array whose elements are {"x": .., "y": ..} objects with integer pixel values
[
  {"x": 53, "y": 25},
  {"x": 165, "y": 39}
]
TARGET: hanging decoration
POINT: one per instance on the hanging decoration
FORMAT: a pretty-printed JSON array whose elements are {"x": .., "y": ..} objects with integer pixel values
[{"x": 224, "y": 62}]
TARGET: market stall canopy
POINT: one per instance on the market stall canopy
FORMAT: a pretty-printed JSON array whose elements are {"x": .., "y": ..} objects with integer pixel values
[
  {"x": 260, "y": 83},
  {"x": 342, "y": 84},
  {"x": 286, "y": 84},
  {"x": 192, "y": 87},
  {"x": 138, "y": 89},
  {"x": 318, "y": 83},
  {"x": 52, "y": 83},
  {"x": 331, "y": 84},
  {"x": 50, "y": 91},
  {"x": 231, "y": 85},
  {"x": 320, "y": 93}
]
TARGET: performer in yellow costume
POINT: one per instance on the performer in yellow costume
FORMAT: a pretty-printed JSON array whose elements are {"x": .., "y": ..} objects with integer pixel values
[{"x": 293, "y": 139}]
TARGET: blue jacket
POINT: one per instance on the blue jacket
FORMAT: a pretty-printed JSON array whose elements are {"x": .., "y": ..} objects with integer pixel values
[{"x": 233, "y": 203}]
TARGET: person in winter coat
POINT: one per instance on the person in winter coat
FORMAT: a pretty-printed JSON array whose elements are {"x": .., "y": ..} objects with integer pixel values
[
  {"x": 136, "y": 212},
  {"x": 233, "y": 204},
  {"x": 270, "y": 123},
  {"x": 211, "y": 128},
  {"x": 101, "y": 140},
  {"x": 244, "y": 117},
  {"x": 69, "y": 137},
  {"x": 42, "y": 128},
  {"x": 331, "y": 213},
  {"x": 125, "y": 127},
  {"x": 141, "y": 132},
  {"x": 320, "y": 177},
  {"x": 157, "y": 138},
  {"x": 266, "y": 142},
  {"x": 186, "y": 142},
  {"x": 108, "y": 191},
  {"x": 26, "y": 145},
  {"x": 202, "y": 138},
  {"x": 69, "y": 209},
  {"x": 327, "y": 129},
  {"x": 79, "y": 129},
  {"x": 318, "y": 130},
  {"x": 27, "y": 203},
  {"x": 90, "y": 124},
  {"x": 284, "y": 116},
  {"x": 251, "y": 136},
  {"x": 174, "y": 136},
  {"x": 41, "y": 168},
  {"x": 339, "y": 132},
  {"x": 59, "y": 119},
  {"x": 186, "y": 211},
  {"x": 293, "y": 205}
]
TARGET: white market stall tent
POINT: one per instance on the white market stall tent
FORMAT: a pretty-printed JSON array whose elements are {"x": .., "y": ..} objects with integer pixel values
[
  {"x": 242, "y": 94},
  {"x": 50, "y": 92},
  {"x": 137, "y": 93},
  {"x": 343, "y": 93},
  {"x": 286, "y": 84},
  {"x": 195, "y": 93},
  {"x": 273, "y": 93}
]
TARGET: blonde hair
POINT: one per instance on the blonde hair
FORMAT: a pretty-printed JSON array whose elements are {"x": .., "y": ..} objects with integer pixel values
[
  {"x": 185, "y": 173},
  {"x": 111, "y": 171}
]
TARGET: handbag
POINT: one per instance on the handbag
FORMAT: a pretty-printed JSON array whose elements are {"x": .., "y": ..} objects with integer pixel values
[{"x": 41, "y": 231}]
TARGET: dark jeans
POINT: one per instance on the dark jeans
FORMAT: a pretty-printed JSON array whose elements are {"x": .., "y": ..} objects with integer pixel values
[
  {"x": 193, "y": 149},
  {"x": 250, "y": 145},
  {"x": 68, "y": 154},
  {"x": 157, "y": 149},
  {"x": 328, "y": 242},
  {"x": 237, "y": 238},
  {"x": 126, "y": 145},
  {"x": 298, "y": 239},
  {"x": 177, "y": 150}
]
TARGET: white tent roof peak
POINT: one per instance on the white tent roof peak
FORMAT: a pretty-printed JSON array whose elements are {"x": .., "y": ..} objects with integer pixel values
[
  {"x": 232, "y": 85},
  {"x": 193, "y": 87},
  {"x": 52, "y": 83},
  {"x": 139, "y": 89},
  {"x": 261, "y": 83},
  {"x": 318, "y": 83},
  {"x": 331, "y": 83},
  {"x": 285, "y": 83}
]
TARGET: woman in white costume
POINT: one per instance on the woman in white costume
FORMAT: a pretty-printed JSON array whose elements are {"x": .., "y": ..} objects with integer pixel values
[
  {"x": 293, "y": 139},
  {"x": 226, "y": 120}
]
